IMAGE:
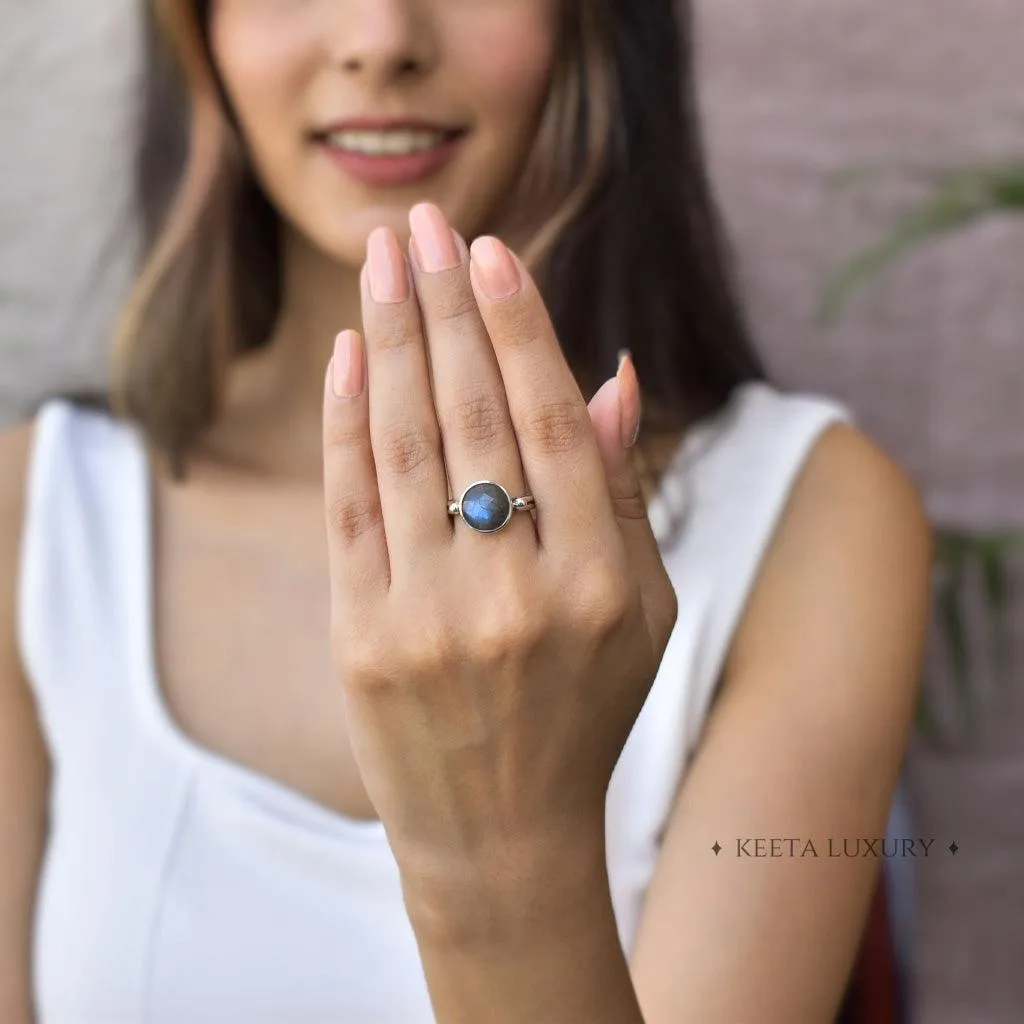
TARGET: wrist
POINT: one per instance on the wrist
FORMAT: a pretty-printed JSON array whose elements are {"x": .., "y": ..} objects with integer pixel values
[
  {"x": 538, "y": 943},
  {"x": 512, "y": 893}
]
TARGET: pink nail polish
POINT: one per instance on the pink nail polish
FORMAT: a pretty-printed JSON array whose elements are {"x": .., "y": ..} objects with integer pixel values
[
  {"x": 495, "y": 269},
  {"x": 630, "y": 428},
  {"x": 348, "y": 365},
  {"x": 387, "y": 267},
  {"x": 433, "y": 239}
]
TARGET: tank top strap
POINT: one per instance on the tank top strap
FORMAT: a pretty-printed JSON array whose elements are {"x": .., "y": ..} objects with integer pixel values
[{"x": 80, "y": 612}]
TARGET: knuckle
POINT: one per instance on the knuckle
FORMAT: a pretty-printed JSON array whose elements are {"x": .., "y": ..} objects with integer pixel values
[
  {"x": 555, "y": 428},
  {"x": 478, "y": 417},
  {"x": 340, "y": 434},
  {"x": 529, "y": 627},
  {"x": 603, "y": 600},
  {"x": 455, "y": 304},
  {"x": 361, "y": 659},
  {"x": 517, "y": 324},
  {"x": 350, "y": 516},
  {"x": 362, "y": 664},
  {"x": 517, "y": 626},
  {"x": 630, "y": 506},
  {"x": 395, "y": 329},
  {"x": 670, "y": 612},
  {"x": 496, "y": 640},
  {"x": 369, "y": 681},
  {"x": 434, "y": 646},
  {"x": 405, "y": 448},
  {"x": 671, "y": 616}
]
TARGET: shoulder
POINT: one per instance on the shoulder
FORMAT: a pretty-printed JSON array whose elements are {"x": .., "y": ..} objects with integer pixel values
[
  {"x": 847, "y": 463},
  {"x": 15, "y": 450},
  {"x": 17, "y": 445},
  {"x": 852, "y": 495},
  {"x": 24, "y": 758},
  {"x": 851, "y": 554},
  {"x": 19, "y": 724},
  {"x": 849, "y": 482}
]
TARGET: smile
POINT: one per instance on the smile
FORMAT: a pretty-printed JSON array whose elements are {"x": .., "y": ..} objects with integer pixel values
[
  {"x": 389, "y": 143},
  {"x": 390, "y": 155}
]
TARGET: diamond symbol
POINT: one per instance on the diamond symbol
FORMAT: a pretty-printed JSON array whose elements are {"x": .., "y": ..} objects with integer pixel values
[
  {"x": 716, "y": 848},
  {"x": 953, "y": 847}
]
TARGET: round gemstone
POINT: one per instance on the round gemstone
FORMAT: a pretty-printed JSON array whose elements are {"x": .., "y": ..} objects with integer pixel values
[{"x": 486, "y": 507}]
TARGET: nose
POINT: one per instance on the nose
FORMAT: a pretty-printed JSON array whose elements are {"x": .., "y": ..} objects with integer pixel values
[{"x": 381, "y": 40}]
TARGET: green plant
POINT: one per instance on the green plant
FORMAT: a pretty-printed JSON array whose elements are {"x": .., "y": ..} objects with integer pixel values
[
  {"x": 958, "y": 198},
  {"x": 966, "y": 564},
  {"x": 964, "y": 561}
]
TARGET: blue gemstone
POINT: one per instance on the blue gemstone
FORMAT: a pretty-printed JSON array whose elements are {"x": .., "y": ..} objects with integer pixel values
[{"x": 486, "y": 507}]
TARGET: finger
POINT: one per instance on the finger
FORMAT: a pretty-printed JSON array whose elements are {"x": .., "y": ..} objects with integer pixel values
[
  {"x": 615, "y": 413},
  {"x": 556, "y": 439},
  {"x": 472, "y": 409},
  {"x": 356, "y": 545},
  {"x": 403, "y": 424}
]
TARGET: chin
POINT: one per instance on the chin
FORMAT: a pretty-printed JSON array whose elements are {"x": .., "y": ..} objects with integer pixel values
[{"x": 343, "y": 238}]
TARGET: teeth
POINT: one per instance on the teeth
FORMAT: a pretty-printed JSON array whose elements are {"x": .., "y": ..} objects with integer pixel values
[{"x": 397, "y": 143}]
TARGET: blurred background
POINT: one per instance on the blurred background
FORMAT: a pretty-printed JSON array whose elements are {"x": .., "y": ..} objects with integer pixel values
[{"x": 829, "y": 126}]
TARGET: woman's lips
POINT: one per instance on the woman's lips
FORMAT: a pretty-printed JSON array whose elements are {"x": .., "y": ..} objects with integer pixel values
[{"x": 387, "y": 169}]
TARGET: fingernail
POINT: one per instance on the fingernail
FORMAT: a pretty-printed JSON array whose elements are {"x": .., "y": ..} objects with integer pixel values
[
  {"x": 389, "y": 279},
  {"x": 348, "y": 365},
  {"x": 630, "y": 429},
  {"x": 433, "y": 239},
  {"x": 496, "y": 270}
]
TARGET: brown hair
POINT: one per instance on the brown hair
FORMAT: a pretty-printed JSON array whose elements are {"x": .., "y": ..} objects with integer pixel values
[{"x": 623, "y": 235}]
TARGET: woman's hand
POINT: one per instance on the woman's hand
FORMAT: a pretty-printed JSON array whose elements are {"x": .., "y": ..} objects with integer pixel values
[{"x": 490, "y": 680}]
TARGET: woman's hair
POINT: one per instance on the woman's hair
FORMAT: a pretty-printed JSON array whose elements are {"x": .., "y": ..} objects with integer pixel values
[{"x": 626, "y": 240}]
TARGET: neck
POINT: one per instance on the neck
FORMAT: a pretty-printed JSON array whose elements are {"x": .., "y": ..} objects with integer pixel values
[{"x": 272, "y": 421}]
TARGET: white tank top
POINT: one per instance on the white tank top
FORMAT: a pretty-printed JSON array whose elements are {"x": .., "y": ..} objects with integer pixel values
[{"x": 179, "y": 887}]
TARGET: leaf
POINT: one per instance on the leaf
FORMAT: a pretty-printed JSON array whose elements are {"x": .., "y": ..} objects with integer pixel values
[
  {"x": 848, "y": 177},
  {"x": 954, "y": 633},
  {"x": 995, "y": 551},
  {"x": 956, "y": 552},
  {"x": 960, "y": 197},
  {"x": 1008, "y": 190},
  {"x": 927, "y": 724},
  {"x": 951, "y": 550}
]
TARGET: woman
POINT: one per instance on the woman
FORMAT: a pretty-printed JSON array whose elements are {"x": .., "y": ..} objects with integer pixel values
[{"x": 287, "y": 734}]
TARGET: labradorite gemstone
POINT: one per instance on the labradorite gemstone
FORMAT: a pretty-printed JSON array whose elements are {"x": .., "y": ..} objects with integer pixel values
[{"x": 486, "y": 507}]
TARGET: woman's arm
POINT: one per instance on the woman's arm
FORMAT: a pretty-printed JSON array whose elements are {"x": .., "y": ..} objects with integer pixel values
[
  {"x": 24, "y": 770},
  {"x": 805, "y": 743}
]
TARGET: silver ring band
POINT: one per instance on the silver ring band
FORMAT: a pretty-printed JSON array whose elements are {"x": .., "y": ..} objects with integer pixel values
[{"x": 487, "y": 507}]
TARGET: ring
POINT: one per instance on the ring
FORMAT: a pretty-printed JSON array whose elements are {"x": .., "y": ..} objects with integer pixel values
[{"x": 486, "y": 506}]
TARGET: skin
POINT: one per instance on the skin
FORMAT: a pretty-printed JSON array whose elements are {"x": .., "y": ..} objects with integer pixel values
[{"x": 815, "y": 702}]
